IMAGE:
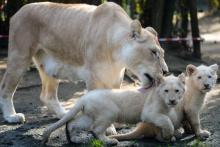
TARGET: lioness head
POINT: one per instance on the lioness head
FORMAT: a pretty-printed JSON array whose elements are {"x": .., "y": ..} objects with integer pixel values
[
  {"x": 143, "y": 54},
  {"x": 171, "y": 89},
  {"x": 203, "y": 78}
]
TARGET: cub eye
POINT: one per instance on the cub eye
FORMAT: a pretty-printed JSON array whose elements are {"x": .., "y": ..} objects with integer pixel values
[
  {"x": 209, "y": 76},
  {"x": 199, "y": 77},
  {"x": 166, "y": 90},
  {"x": 176, "y": 90}
]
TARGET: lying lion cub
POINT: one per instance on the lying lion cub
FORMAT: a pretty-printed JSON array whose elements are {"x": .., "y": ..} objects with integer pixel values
[
  {"x": 124, "y": 106},
  {"x": 199, "y": 81}
]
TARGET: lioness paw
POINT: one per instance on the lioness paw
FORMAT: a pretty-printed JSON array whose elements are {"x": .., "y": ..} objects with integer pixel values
[
  {"x": 204, "y": 134},
  {"x": 15, "y": 118}
]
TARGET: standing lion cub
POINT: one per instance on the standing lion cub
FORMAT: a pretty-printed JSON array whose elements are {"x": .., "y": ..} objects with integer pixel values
[
  {"x": 124, "y": 106},
  {"x": 199, "y": 81}
]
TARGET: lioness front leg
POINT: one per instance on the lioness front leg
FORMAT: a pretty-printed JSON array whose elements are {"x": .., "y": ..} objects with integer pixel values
[
  {"x": 163, "y": 122},
  {"x": 196, "y": 126},
  {"x": 49, "y": 94}
]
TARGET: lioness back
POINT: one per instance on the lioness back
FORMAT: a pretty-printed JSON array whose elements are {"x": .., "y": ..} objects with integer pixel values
[{"x": 51, "y": 26}]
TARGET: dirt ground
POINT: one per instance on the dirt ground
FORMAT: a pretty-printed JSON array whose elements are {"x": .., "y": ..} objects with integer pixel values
[{"x": 27, "y": 101}]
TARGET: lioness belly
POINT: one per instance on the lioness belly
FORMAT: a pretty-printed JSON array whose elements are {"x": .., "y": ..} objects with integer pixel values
[{"x": 58, "y": 69}]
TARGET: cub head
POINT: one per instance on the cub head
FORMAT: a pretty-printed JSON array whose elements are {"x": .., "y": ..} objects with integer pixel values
[
  {"x": 143, "y": 54},
  {"x": 202, "y": 78},
  {"x": 171, "y": 89}
]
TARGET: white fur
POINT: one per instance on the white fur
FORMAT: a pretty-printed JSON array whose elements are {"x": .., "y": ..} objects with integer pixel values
[
  {"x": 123, "y": 106},
  {"x": 80, "y": 42},
  {"x": 191, "y": 105}
]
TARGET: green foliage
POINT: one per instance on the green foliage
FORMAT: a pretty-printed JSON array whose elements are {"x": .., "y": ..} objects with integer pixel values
[
  {"x": 3, "y": 16},
  {"x": 96, "y": 143},
  {"x": 198, "y": 143},
  {"x": 215, "y": 3}
]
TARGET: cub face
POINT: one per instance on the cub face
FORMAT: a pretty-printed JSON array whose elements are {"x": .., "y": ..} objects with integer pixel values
[
  {"x": 171, "y": 89},
  {"x": 203, "y": 77}
]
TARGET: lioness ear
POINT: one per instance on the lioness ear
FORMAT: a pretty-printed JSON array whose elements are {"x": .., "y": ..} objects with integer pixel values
[
  {"x": 214, "y": 67},
  {"x": 159, "y": 80},
  {"x": 182, "y": 77},
  {"x": 190, "y": 69},
  {"x": 150, "y": 29},
  {"x": 135, "y": 29}
]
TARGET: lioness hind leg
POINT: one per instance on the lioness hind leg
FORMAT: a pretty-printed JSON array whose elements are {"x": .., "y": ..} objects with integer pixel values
[
  {"x": 16, "y": 66},
  {"x": 49, "y": 94},
  {"x": 22, "y": 45},
  {"x": 7, "y": 88}
]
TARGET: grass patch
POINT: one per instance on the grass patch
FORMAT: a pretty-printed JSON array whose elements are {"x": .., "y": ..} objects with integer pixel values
[{"x": 96, "y": 143}]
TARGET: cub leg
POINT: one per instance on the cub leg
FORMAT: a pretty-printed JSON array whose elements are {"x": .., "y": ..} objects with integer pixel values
[
  {"x": 196, "y": 126},
  {"x": 77, "y": 126},
  {"x": 162, "y": 121},
  {"x": 99, "y": 130},
  {"x": 94, "y": 84}
]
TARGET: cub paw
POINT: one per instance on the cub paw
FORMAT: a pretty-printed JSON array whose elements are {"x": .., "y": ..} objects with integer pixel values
[
  {"x": 111, "y": 130},
  {"x": 111, "y": 141},
  {"x": 160, "y": 138},
  {"x": 167, "y": 134},
  {"x": 178, "y": 134},
  {"x": 173, "y": 139},
  {"x": 15, "y": 118},
  {"x": 204, "y": 134}
]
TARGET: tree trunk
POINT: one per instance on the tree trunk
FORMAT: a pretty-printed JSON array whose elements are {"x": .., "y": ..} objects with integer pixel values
[
  {"x": 157, "y": 11},
  {"x": 184, "y": 22},
  {"x": 194, "y": 27},
  {"x": 168, "y": 18}
]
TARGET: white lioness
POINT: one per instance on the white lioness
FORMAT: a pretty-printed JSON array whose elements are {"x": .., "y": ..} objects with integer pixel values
[
  {"x": 199, "y": 81},
  {"x": 123, "y": 106},
  {"x": 77, "y": 41}
]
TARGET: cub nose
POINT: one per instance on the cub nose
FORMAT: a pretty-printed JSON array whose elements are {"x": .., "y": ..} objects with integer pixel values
[
  {"x": 173, "y": 102},
  {"x": 207, "y": 86}
]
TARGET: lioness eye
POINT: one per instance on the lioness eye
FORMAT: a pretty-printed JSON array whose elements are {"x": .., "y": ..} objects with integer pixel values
[
  {"x": 199, "y": 77},
  {"x": 209, "y": 76},
  {"x": 154, "y": 52},
  {"x": 176, "y": 90},
  {"x": 166, "y": 90}
]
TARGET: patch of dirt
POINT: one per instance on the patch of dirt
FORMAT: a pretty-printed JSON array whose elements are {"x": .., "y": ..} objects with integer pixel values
[{"x": 27, "y": 101}]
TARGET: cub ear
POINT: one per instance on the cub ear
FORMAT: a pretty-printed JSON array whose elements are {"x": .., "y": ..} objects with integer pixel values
[
  {"x": 182, "y": 77},
  {"x": 150, "y": 29},
  {"x": 135, "y": 29},
  {"x": 214, "y": 67},
  {"x": 190, "y": 69}
]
